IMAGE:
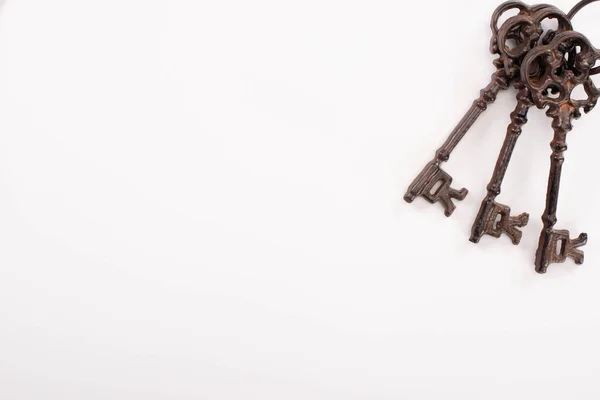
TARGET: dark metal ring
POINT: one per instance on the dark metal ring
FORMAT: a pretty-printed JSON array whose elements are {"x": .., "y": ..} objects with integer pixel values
[
  {"x": 579, "y": 6},
  {"x": 574, "y": 12}
]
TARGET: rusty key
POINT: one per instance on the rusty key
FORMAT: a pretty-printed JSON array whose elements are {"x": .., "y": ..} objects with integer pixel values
[
  {"x": 566, "y": 63},
  {"x": 494, "y": 218}
]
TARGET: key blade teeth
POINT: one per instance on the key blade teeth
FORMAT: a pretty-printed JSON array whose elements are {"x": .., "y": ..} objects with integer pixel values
[
  {"x": 580, "y": 241},
  {"x": 487, "y": 222},
  {"x": 556, "y": 246},
  {"x": 446, "y": 194},
  {"x": 448, "y": 204},
  {"x": 573, "y": 248},
  {"x": 520, "y": 220},
  {"x": 434, "y": 185},
  {"x": 577, "y": 256}
]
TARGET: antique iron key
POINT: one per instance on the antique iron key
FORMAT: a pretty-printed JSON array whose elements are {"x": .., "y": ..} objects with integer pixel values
[
  {"x": 544, "y": 67},
  {"x": 494, "y": 218},
  {"x": 566, "y": 63},
  {"x": 511, "y": 42}
]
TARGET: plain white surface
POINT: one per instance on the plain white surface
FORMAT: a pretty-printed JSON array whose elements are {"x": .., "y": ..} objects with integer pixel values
[{"x": 203, "y": 200}]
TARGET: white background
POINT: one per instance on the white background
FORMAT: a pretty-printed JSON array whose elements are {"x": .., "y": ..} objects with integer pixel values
[{"x": 203, "y": 200}]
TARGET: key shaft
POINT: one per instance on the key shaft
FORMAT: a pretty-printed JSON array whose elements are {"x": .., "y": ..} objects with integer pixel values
[
  {"x": 487, "y": 221},
  {"x": 432, "y": 173},
  {"x": 555, "y": 246}
]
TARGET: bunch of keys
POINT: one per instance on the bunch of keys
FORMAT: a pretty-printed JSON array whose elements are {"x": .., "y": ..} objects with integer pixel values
[{"x": 544, "y": 67}]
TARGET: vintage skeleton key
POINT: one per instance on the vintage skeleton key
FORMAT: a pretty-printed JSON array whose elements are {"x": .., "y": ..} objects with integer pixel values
[
  {"x": 433, "y": 183},
  {"x": 494, "y": 218},
  {"x": 564, "y": 64}
]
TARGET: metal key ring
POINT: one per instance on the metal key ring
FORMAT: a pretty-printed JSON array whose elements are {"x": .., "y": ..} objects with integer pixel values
[
  {"x": 574, "y": 12},
  {"x": 578, "y": 7}
]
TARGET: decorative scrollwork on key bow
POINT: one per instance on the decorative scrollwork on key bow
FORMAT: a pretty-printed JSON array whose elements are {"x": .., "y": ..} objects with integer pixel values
[
  {"x": 552, "y": 72},
  {"x": 495, "y": 220},
  {"x": 433, "y": 184},
  {"x": 523, "y": 32}
]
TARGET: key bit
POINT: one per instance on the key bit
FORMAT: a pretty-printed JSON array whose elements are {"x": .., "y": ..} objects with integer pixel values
[
  {"x": 433, "y": 184},
  {"x": 494, "y": 219},
  {"x": 556, "y": 246}
]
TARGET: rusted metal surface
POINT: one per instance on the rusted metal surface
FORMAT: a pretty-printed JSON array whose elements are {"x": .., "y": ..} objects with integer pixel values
[
  {"x": 494, "y": 218},
  {"x": 566, "y": 63},
  {"x": 544, "y": 67}
]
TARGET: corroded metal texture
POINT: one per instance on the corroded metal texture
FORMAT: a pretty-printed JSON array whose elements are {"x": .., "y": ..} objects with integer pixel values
[
  {"x": 566, "y": 63},
  {"x": 494, "y": 218},
  {"x": 511, "y": 43},
  {"x": 544, "y": 67}
]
